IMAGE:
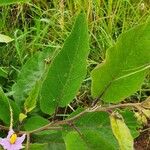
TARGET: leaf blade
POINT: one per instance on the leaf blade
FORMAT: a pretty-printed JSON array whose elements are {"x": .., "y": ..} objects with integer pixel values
[
  {"x": 94, "y": 132},
  {"x": 67, "y": 70},
  {"x": 124, "y": 69},
  {"x": 30, "y": 75}
]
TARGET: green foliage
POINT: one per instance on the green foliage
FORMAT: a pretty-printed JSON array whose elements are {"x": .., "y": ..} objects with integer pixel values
[
  {"x": 121, "y": 132},
  {"x": 16, "y": 111},
  {"x": 45, "y": 146},
  {"x": 74, "y": 141},
  {"x": 3, "y": 73},
  {"x": 27, "y": 86},
  {"x": 94, "y": 133},
  {"x": 34, "y": 123},
  {"x": 6, "y": 2},
  {"x": 38, "y": 146},
  {"x": 131, "y": 122},
  {"x": 5, "y": 104},
  {"x": 30, "y": 102},
  {"x": 5, "y": 109},
  {"x": 52, "y": 138},
  {"x": 124, "y": 69},
  {"x": 68, "y": 69},
  {"x": 118, "y": 77}
]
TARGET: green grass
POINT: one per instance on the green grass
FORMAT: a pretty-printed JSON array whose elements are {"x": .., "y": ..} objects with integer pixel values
[{"x": 42, "y": 24}]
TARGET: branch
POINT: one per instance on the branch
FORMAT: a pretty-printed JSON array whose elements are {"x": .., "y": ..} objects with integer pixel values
[
  {"x": 4, "y": 128},
  {"x": 56, "y": 125},
  {"x": 28, "y": 141},
  {"x": 88, "y": 110}
]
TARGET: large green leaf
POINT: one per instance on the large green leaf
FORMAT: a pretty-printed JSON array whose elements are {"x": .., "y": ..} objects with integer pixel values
[
  {"x": 95, "y": 133},
  {"x": 68, "y": 69},
  {"x": 31, "y": 101},
  {"x": 6, "y": 2},
  {"x": 124, "y": 69},
  {"x": 26, "y": 87}
]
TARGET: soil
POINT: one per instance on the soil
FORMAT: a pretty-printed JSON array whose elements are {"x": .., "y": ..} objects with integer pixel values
[{"x": 143, "y": 141}]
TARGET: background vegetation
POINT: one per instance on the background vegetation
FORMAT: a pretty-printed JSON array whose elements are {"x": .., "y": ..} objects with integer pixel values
[{"x": 41, "y": 24}]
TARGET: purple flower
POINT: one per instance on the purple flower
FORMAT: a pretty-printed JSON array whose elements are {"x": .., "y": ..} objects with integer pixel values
[{"x": 12, "y": 142}]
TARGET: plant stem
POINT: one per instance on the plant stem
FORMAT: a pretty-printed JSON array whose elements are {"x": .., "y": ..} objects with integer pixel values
[
  {"x": 28, "y": 141},
  {"x": 88, "y": 110},
  {"x": 56, "y": 125}
]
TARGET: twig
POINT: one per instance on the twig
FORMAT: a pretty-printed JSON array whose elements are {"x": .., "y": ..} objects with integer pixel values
[
  {"x": 76, "y": 129},
  {"x": 57, "y": 125},
  {"x": 4, "y": 128},
  {"x": 88, "y": 110},
  {"x": 147, "y": 129},
  {"x": 28, "y": 141}
]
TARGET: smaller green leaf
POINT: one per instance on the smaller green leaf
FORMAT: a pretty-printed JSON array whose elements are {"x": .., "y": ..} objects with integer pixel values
[
  {"x": 6, "y": 2},
  {"x": 22, "y": 117},
  {"x": 131, "y": 121},
  {"x": 31, "y": 74},
  {"x": 5, "y": 38},
  {"x": 30, "y": 102},
  {"x": 35, "y": 122},
  {"x": 121, "y": 132}
]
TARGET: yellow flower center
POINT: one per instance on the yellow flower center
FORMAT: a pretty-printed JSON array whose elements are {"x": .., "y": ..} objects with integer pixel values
[{"x": 13, "y": 138}]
